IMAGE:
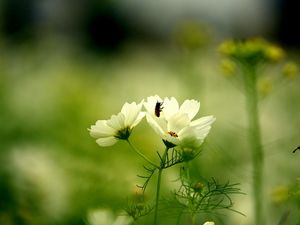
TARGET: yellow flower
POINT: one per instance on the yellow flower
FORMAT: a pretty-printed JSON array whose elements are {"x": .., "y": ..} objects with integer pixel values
[
  {"x": 227, "y": 47},
  {"x": 265, "y": 87},
  {"x": 274, "y": 53},
  {"x": 290, "y": 70},
  {"x": 228, "y": 67},
  {"x": 192, "y": 35},
  {"x": 251, "y": 51},
  {"x": 280, "y": 194}
]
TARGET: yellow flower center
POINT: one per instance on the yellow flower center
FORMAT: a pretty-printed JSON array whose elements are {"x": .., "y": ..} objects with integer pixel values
[{"x": 173, "y": 134}]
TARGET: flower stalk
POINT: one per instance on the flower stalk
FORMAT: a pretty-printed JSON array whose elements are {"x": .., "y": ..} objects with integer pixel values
[
  {"x": 141, "y": 154},
  {"x": 162, "y": 166},
  {"x": 251, "y": 55},
  {"x": 193, "y": 219},
  {"x": 254, "y": 134}
]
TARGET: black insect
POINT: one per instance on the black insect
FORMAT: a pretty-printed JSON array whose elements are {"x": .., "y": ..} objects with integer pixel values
[
  {"x": 298, "y": 148},
  {"x": 158, "y": 108}
]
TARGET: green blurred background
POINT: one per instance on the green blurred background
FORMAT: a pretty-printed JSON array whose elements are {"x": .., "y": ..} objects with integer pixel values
[{"x": 66, "y": 64}]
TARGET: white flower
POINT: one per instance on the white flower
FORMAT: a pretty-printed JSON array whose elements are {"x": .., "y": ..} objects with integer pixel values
[
  {"x": 106, "y": 217},
  {"x": 174, "y": 124},
  {"x": 209, "y": 223},
  {"x": 119, "y": 126}
]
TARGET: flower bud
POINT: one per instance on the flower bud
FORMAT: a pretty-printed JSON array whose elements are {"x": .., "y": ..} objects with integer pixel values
[
  {"x": 188, "y": 154},
  {"x": 198, "y": 187}
]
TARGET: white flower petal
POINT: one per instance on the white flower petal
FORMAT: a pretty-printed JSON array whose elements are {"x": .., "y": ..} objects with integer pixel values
[
  {"x": 130, "y": 112},
  {"x": 126, "y": 108},
  {"x": 203, "y": 132},
  {"x": 209, "y": 223},
  {"x": 190, "y": 143},
  {"x": 117, "y": 122},
  {"x": 177, "y": 122},
  {"x": 192, "y": 137},
  {"x": 107, "y": 141},
  {"x": 170, "y": 107},
  {"x": 156, "y": 126},
  {"x": 203, "y": 121},
  {"x": 187, "y": 132},
  {"x": 100, "y": 129},
  {"x": 138, "y": 119},
  {"x": 151, "y": 103},
  {"x": 123, "y": 220},
  {"x": 188, "y": 136},
  {"x": 191, "y": 107},
  {"x": 100, "y": 217},
  {"x": 106, "y": 217}
]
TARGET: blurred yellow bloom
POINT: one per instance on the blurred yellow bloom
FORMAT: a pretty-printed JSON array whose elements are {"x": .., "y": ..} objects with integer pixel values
[
  {"x": 265, "y": 87},
  {"x": 290, "y": 70},
  {"x": 227, "y": 47},
  {"x": 192, "y": 35},
  {"x": 274, "y": 53},
  {"x": 251, "y": 51},
  {"x": 228, "y": 67},
  {"x": 280, "y": 194}
]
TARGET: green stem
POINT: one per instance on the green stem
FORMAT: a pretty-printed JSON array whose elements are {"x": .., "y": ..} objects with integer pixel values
[
  {"x": 255, "y": 143},
  {"x": 157, "y": 196},
  {"x": 141, "y": 154},
  {"x": 193, "y": 219},
  {"x": 179, "y": 218},
  {"x": 160, "y": 169},
  {"x": 187, "y": 167}
]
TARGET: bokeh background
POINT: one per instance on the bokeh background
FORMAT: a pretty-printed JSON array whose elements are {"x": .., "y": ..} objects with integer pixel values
[{"x": 64, "y": 64}]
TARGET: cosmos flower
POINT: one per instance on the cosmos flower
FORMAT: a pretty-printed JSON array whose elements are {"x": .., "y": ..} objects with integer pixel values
[
  {"x": 119, "y": 126},
  {"x": 209, "y": 223},
  {"x": 175, "y": 124},
  {"x": 106, "y": 217}
]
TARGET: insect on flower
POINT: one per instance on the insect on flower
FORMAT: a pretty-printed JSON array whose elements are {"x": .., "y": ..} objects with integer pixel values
[
  {"x": 298, "y": 148},
  {"x": 158, "y": 108}
]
